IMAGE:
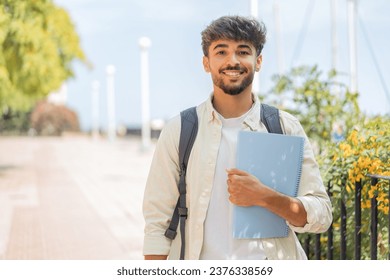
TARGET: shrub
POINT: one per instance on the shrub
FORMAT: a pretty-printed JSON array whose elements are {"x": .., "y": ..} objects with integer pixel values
[
  {"x": 53, "y": 120},
  {"x": 14, "y": 122},
  {"x": 364, "y": 151}
]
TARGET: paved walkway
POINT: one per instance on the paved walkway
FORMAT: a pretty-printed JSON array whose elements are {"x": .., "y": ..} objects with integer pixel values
[{"x": 71, "y": 198}]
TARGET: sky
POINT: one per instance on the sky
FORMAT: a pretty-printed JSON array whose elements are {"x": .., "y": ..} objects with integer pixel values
[{"x": 109, "y": 31}]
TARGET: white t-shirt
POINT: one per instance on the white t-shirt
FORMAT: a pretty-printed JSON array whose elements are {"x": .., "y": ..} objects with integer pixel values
[{"x": 218, "y": 242}]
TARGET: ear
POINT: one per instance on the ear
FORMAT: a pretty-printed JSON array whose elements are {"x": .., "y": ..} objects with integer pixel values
[
  {"x": 206, "y": 64},
  {"x": 259, "y": 60}
]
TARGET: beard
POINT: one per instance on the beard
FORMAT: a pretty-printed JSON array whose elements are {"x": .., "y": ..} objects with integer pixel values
[{"x": 233, "y": 89}]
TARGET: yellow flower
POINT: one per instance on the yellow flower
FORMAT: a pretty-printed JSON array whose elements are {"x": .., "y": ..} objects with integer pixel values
[
  {"x": 366, "y": 203},
  {"x": 359, "y": 177},
  {"x": 373, "y": 168},
  {"x": 363, "y": 163},
  {"x": 382, "y": 197},
  {"x": 351, "y": 176},
  {"x": 353, "y": 138},
  {"x": 347, "y": 150},
  {"x": 384, "y": 209},
  {"x": 372, "y": 192}
]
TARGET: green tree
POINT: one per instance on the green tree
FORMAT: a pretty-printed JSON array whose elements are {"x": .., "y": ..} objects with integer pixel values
[
  {"x": 319, "y": 103},
  {"x": 38, "y": 44}
]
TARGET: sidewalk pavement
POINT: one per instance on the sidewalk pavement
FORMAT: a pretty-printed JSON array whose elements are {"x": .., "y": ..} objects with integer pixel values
[{"x": 71, "y": 198}]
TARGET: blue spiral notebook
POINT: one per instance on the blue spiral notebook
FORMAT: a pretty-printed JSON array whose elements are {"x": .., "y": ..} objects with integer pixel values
[{"x": 276, "y": 160}]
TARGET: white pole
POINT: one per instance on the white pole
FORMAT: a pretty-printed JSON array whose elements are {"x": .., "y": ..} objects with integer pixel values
[
  {"x": 95, "y": 109},
  {"x": 110, "y": 71},
  {"x": 145, "y": 43},
  {"x": 352, "y": 12},
  {"x": 254, "y": 14},
  {"x": 334, "y": 35},
  {"x": 278, "y": 38},
  {"x": 254, "y": 8}
]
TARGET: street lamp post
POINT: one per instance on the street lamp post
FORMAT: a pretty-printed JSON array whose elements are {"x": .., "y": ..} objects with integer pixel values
[
  {"x": 278, "y": 37},
  {"x": 145, "y": 43},
  {"x": 254, "y": 12},
  {"x": 95, "y": 109},
  {"x": 335, "y": 46},
  {"x": 110, "y": 71},
  {"x": 352, "y": 12}
]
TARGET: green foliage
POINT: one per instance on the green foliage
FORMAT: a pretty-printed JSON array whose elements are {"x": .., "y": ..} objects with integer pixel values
[
  {"x": 321, "y": 105},
  {"x": 347, "y": 163},
  {"x": 14, "y": 123},
  {"x": 38, "y": 43}
]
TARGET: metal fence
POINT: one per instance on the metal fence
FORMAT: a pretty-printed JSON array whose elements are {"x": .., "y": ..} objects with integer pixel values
[{"x": 322, "y": 246}]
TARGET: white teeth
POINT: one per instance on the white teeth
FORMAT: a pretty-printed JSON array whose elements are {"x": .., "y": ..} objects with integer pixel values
[{"x": 232, "y": 73}]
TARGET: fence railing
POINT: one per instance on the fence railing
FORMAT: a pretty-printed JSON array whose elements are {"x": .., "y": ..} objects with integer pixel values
[{"x": 315, "y": 249}]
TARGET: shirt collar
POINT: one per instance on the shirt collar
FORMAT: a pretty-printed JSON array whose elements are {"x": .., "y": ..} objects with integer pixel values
[
  {"x": 252, "y": 120},
  {"x": 211, "y": 112}
]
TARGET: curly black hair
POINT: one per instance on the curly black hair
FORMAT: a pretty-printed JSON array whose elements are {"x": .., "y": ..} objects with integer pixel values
[{"x": 236, "y": 28}]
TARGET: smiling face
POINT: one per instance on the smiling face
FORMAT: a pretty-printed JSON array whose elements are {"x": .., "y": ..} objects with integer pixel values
[{"x": 232, "y": 65}]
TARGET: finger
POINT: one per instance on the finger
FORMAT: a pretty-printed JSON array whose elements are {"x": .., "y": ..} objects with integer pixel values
[
  {"x": 232, "y": 181},
  {"x": 229, "y": 189},
  {"x": 235, "y": 178},
  {"x": 236, "y": 171},
  {"x": 231, "y": 199}
]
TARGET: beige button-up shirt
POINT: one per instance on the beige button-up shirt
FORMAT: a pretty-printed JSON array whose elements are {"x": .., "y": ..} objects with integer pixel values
[{"x": 161, "y": 192}]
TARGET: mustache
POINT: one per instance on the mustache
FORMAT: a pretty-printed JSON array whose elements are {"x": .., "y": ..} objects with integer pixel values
[{"x": 235, "y": 68}]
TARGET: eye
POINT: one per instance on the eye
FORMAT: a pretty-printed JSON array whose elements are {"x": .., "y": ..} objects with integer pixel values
[
  {"x": 244, "y": 53},
  {"x": 222, "y": 52}
]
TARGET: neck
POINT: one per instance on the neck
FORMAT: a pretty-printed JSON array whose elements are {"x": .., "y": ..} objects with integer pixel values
[{"x": 232, "y": 106}]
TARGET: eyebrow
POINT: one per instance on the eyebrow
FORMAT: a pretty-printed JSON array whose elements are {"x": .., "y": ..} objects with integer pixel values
[
  {"x": 220, "y": 46},
  {"x": 243, "y": 46}
]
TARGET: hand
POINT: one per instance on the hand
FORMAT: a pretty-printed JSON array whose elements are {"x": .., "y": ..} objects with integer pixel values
[{"x": 245, "y": 189}]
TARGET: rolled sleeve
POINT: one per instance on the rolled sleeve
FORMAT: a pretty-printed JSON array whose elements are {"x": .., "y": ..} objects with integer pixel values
[
  {"x": 319, "y": 215},
  {"x": 156, "y": 245}
]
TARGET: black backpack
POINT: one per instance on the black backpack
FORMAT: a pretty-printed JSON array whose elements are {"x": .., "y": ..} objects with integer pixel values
[{"x": 189, "y": 128}]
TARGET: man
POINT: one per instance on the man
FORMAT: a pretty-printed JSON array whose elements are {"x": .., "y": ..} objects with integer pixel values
[{"x": 232, "y": 48}]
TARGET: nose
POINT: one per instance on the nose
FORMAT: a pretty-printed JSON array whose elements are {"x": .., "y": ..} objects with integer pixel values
[{"x": 233, "y": 60}]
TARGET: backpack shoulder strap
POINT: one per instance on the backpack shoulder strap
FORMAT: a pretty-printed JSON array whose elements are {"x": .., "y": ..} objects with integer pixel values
[
  {"x": 269, "y": 116},
  {"x": 188, "y": 132}
]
